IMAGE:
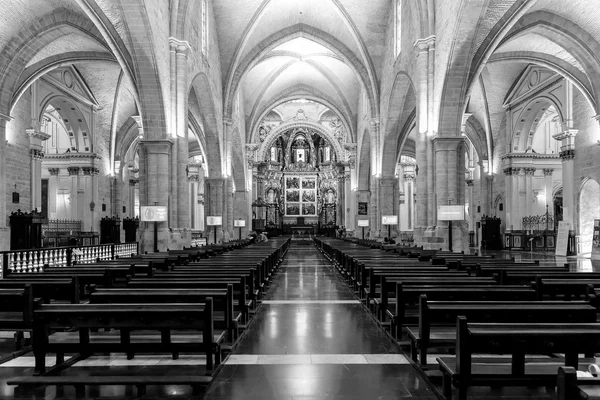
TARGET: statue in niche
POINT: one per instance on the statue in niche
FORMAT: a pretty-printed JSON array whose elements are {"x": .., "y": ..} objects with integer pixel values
[
  {"x": 330, "y": 197},
  {"x": 337, "y": 127},
  {"x": 271, "y": 196}
]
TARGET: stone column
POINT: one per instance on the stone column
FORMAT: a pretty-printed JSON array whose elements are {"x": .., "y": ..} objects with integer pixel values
[
  {"x": 389, "y": 201},
  {"x": 155, "y": 172},
  {"x": 529, "y": 172},
  {"x": 448, "y": 177},
  {"x": 228, "y": 209},
  {"x": 4, "y": 229},
  {"x": 193, "y": 180},
  {"x": 548, "y": 187},
  {"x": 508, "y": 184},
  {"x": 567, "y": 154},
  {"x": 74, "y": 174},
  {"x": 472, "y": 209},
  {"x": 374, "y": 212},
  {"x": 241, "y": 210},
  {"x": 349, "y": 208},
  {"x": 36, "y": 152},
  {"x": 423, "y": 211},
  {"x": 179, "y": 186},
  {"x": 133, "y": 182},
  {"x": 214, "y": 206},
  {"x": 408, "y": 203},
  {"x": 484, "y": 190},
  {"x": 91, "y": 191}
]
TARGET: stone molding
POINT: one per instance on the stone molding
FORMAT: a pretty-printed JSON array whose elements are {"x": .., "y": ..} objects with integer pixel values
[
  {"x": 409, "y": 177},
  {"x": 529, "y": 155},
  {"x": 512, "y": 171},
  {"x": 53, "y": 171},
  {"x": 529, "y": 171},
  {"x": 35, "y": 134},
  {"x": 179, "y": 46},
  {"x": 470, "y": 182},
  {"x": 133, "y": 182},
  {"x": 193, "y": 178}
]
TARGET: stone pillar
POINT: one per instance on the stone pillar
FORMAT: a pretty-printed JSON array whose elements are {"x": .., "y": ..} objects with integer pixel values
[
  {"x": 133, "y": 183},
  {"x": 91, "y": 190},
  {"x": 529, "y": 172},
  {"x": 407, "y": 204},
  {"x": 522, "y": 199},
  {"x": 214, "y": 206},
  {"x": 74, "y": 174},
  {"x": 508, "y": 184},
  {"x": 4, "y": 229},
  {"x": 374, "y": 212},
  {"x": 422, "y": 220},
  {"x": 242, "y": 210},
  {"x": 155, "y": 172},
  {"x": 485, "y": 182},
  {"x": 548, "y": 187},
  {"x": 180, "y": 218},
  {"x": 349, "y": 208},
  {"x": 472, "y": 209},
  {"x": 448, "y": 176},
  {"x": 567, "y": 154},
  {"x": 388, "y": 201},
  {"x": 228, "y": 209},
  {"x": 193, "y": 180},
  {"x": 35, "y": 151}
]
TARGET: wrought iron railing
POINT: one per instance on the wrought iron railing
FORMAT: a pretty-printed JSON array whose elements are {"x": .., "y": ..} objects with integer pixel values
[{"x": 540, "y": 223}]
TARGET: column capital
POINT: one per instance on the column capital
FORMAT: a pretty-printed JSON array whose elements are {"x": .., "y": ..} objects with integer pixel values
[
  {"x": 36, "y": 154},
  {"x": 373, "y": 123},
  {"x": 567, "y": 155},
  {"x": 90, "y": 171},
  {"x": 388, "y": 181},
  {"x": 179, "y": 46},
  {"x": 193, "y": 178},
  {"x": 133, "y": 182},
  {"x": 447, "y": 143},
  {"x": 227, "y": 121},
  {"x": 73, "y": 170},
  {"x": 470, "y": 182},
  {"x": 409, "y": 177},
  {"x": 214, "y": 182},
  {"x": 157, "y": 146},
  {"x": 548, "y": 171},
  {"x": 565, "y": 134},
  {"x": 529, "y": 171},
  {"x": 54, "y": 171}
]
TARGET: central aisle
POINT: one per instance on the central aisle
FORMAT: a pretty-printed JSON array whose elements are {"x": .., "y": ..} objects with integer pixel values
[{"x": 311, "y": 339}]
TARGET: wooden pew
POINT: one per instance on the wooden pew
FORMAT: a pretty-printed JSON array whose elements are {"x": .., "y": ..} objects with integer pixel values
[
  {"x": 53, "y": 290},
  {"x": 436, "y": 318},
  {"x": 572, "y": 387},
  {"x": 126, "y": 318},
  {"x": 240, "y": 289},
  {"x": 517, "y": 339},
  {"x": 490, "y": 270},
  {"x": 16, "y": 311},
  {"x": 406, "y": 311},
  {"x": 223, "y": 308},
  {"x": 564, "y": 288},
  {"x": 526, "y": 277}
]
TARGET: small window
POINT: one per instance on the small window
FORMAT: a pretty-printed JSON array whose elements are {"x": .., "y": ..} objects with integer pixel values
[
  {"x": 87, "y": 149},
  {"x": 501, "y": 207}
]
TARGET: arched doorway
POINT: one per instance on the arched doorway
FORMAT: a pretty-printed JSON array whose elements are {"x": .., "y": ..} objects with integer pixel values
[{"x": 589, "y": 209}]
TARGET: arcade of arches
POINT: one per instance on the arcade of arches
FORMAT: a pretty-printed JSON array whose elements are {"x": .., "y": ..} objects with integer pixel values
[{"x": 308, "y": 112}]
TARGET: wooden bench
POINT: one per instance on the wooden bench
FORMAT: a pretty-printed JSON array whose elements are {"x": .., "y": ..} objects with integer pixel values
[
  {"x": 526, "y": 277},
  {"x": 52, "y": 290},
  {"x": 16, "y": 311},
  {"x": 572, "y": 387},
  {"x": 133, "y": 321},
  {"x": 564, "y": 288},
  {"x": 408, "y": 297},
  {"x": 223, "y": 308},
  {"x": 490, "y": 270},
  {"x": 516, "y": 339},
  {"x": 436, "y": 327}
]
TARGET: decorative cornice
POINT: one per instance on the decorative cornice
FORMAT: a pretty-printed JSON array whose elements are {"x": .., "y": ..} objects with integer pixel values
[
  {"x": 72, "y": 156},
  {"x": 178, "y": 45},
  {"x": 529, "y": 155},
  {"x": 35, "y": 134}
]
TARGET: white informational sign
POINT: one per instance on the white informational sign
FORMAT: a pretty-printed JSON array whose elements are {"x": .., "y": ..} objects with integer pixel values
[
  {"x": 451, "y": 213},
  {"x": 562, "y": 238},
  {"x": 214, "y": 221},
  {"x": 389, "y": 220},
  {"x": 239, "y": 223},
  {"x": 363, "y": 222},
  {"x": 153, "y": 213}
]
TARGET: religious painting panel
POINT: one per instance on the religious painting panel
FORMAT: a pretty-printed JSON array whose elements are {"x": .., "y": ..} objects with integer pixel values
[
  {"x": 292, "y": 182},
  {"x": 309, "y": 183},
  {"x": 292, "y": 195},
  {"x": 308, "y": 196},
  {"x": 292, "y": 209},
  {"x": 309, "y": 209}
]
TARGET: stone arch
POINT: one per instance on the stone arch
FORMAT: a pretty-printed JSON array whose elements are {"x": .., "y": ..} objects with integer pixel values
[
  {"x": 238, "y": 155},
  {"x": 296, "y": 92},
  {"x": 78, "y": 127},
  {"x": 365, "y": 73},
  {"x": 201, "y": 103},
  {"x": 275, "y": 132},
  {"x": 534, "y": 109},
  {"x": 402, "y": 103},
  {"x": 126, "y": 138},
  {"x": 478, "y": 137},
  {"x": 589, "y": 209}
]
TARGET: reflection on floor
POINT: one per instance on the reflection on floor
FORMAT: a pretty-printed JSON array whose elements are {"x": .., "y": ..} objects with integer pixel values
[{"x": 311, "y": 339}]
